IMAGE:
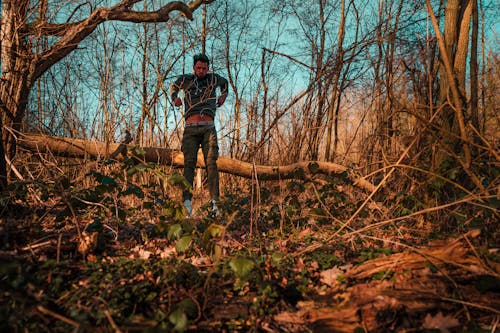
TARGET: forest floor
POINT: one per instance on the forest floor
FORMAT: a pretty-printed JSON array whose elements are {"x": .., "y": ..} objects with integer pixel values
[{"x": 304, "y": 258}]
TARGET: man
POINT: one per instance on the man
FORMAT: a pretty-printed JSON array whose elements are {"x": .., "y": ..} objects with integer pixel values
[{"x": 200, "y": 103}]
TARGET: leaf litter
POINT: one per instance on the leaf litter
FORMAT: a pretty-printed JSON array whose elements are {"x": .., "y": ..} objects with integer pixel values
[{"x": 153, "y": 270}]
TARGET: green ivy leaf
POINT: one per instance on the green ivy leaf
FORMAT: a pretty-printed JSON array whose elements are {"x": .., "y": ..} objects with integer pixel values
[
  {"x": 277, "y": 257},
  {"x": 136, "y": 169},
  {"x": 135, "y": 191},
  {"x": 216, "y": 252},
  {"x": 183, "y": 244},
  {"x": 214, "y": 230},
  {"x": 178, "y": 180},
  {"x": 151, "y": 296},
  {"x": 174, "y": 232},
  {"x": 179, "y": 213},
  {"x": 241, "y": 266},
  {"x": 187, "y": 226},
  {"x": 169, "y": 211},
  {"x": 179, "y": 319},
  {"x": 135, "y": 150},
  {"x": 189, "y": 307},
  {"x": 106, "y": 180},
  {"x": 318, "y": 212},
  {"x": 453, "y": 173}
]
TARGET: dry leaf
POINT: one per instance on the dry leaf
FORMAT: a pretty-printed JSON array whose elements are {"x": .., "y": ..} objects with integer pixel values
[
  {"x": 88, "y": 243},
  {"x": 440, "y": 322},
  {"x": 330, "y": 276},
  {"x": 144, "y": 254},
  {"x": 167, "y": 252}
]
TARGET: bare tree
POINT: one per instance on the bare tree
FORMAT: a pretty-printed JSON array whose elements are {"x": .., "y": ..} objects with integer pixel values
[
  {"x": 24, "y": 61},
  {"x": 453, "y": 46},
  {"x": 315, "y": 31}
]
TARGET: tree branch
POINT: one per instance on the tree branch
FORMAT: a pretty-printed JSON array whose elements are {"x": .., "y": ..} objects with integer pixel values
[{"x": 73, "y": 33}]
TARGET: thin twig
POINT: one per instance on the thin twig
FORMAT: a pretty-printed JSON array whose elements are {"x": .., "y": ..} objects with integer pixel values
[
  {"x": 46, "y": 311},
  {"x": 330, "y": 215},
  {"x": 436, "y": 175},
  {"x": 412, "y": 215},
  {"x": 479, "y": 306},
  {"x": 111, "y": 321},
  {"x": 35, "y": 246},
  {"x": 486, "y": 142},
  {"x": 382, "y": 182},
  {"x": 494, "y": 326},
  {"x": 58, "y": 257}
]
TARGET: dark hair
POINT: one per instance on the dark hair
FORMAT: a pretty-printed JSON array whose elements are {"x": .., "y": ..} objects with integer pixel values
[{"x": 200, "y": 57}]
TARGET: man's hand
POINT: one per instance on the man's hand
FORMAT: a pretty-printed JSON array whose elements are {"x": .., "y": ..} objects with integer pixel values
[
  {"x": 177, "y": 101},
  {"x": 221, "y": 100}
]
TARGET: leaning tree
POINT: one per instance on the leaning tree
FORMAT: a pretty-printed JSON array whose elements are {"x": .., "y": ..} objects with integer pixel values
[{"x": 24, "y": 58}]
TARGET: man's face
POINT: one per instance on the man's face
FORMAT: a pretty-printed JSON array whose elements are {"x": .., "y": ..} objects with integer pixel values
[{"x": 200, "y": 69}]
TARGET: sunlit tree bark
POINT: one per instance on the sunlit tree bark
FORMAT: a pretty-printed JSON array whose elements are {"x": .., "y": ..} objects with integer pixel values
[
  {"x": 474, "y": 70},
  {"x": 335, "y": 94},
  {"x": 317, "y": 126},
  {"x": 453, "y": 47}
]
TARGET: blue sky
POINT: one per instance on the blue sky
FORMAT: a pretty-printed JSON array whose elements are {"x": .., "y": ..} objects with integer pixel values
[{"x": 264, "y": 29}]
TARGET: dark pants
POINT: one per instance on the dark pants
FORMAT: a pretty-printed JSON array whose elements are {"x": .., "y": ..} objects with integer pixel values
[{"x": 192, "y": 139}]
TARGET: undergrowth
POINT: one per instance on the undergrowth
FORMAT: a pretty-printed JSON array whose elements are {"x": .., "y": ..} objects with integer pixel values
[{"x": 119, "y": 254}]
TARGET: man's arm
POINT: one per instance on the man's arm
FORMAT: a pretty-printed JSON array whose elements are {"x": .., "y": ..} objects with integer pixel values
[
  {"x": 223, "y": 85},
  {"x": 174, "y": 91}
]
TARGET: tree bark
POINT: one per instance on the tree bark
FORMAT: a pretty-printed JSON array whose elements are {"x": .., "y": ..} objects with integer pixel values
[
  {"x": 336, "y": 93},
  {"x": 68, "y": 147},
  {"x": 474, "y": 84},
  {"x": 451, "y": 47}
]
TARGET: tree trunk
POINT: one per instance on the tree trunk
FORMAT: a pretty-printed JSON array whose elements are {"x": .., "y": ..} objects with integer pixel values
[
  {"x": 474, "y": 71},
  {"x": 67, "y": 147},
  {"x": 335, "y": 95},
  {"x": 15, "y": 82},
  {"x": 453, "y": 48}
]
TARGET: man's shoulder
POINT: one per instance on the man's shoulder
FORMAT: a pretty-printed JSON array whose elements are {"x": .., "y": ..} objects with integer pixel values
[
  {"x": 218, "y": 77},
  {"x": 185, "y": 78}
]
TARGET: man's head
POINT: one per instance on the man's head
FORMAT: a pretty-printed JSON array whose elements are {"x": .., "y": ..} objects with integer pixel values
[{"x": 200, "y": 65}]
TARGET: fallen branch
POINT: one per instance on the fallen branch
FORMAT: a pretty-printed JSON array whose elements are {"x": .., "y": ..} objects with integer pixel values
[{"x": 69, "y": 147}]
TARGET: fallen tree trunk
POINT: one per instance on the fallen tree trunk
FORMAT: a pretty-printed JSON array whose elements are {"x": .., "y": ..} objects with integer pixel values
[{"x": 68, "y": 147}]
